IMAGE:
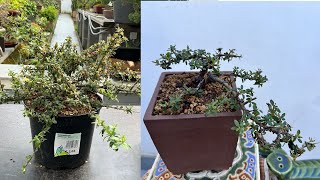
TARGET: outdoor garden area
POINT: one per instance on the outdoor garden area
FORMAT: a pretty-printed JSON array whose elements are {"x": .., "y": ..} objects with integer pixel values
[
  {"x": 70, "y": 89},
  {"x": 25, "y": 25}
]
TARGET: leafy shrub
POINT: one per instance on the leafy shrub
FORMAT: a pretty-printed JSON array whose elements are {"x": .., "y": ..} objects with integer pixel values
[
  {"x": 30, "y": 8},
  {"x": 31, "y": 35},
  {"x": 42, "y": 21},
  {"x": 74, "y": 5},
  {"x": 26, "y": 7},
  {"x": 50, "y": 12},
  {"x": 16, "y": 4},
  {"x": 135, "y": 15}
]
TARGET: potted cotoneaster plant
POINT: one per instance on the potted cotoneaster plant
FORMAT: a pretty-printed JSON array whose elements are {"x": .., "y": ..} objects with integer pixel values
[
  {"x": 194, "y": 118},
  {"x": 60, "y": 94}
]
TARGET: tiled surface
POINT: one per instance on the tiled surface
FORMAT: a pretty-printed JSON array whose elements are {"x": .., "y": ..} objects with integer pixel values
[
  {"x": 245, "y": 165},
  {"x": 146, "y": 163}
]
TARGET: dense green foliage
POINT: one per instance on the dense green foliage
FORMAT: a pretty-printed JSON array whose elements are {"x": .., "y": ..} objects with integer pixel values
[
  {"x": 26, "y": 7},
  {"x": 136, "y": 14},
  {"x": 74, "y": 5},
  {"x": 30, "y": 29},
  {"x": 49, "y": 12},
  {"x": 46, "y": 3},
  {"x": 242, "y": 98},
  {"x": 29, "y": 35},
  {"x": 62, "y": 81}
]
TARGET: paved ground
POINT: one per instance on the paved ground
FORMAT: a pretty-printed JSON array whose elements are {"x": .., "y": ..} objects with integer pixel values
[
  {"x": 64, "y": 29},
  {"x": 103, "y": 163},
  {"x": 65, "y": 26},
  {"x": 6, "y": 54},
  {"x": 66, "y": 6}
]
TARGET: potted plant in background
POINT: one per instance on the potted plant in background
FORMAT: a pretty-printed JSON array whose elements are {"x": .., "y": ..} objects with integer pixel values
[
  {"x": 26, "y": 10},
  {"x": 98, "y": 8},
  {"x": 60, "y": 96},
  {"x": 39, "y": 7},
  {"x": 50, "y": 13},
  {"x": 108, "y": 10},
  {"x": 108, "y": 13},
  {"x": 29, "y": 33},
  {"x": 44, "y": 3},
  {"x": 193, "y": 117},
  {"x": 26, "y": 7},
  {"x": 30, "y": 10}
]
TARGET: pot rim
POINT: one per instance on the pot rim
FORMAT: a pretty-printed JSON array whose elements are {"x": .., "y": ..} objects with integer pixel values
[{"x": 148, "y": 114}]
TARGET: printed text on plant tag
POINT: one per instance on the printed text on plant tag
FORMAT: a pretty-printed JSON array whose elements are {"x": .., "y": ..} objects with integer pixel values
[{"x": 66, "y": 144}]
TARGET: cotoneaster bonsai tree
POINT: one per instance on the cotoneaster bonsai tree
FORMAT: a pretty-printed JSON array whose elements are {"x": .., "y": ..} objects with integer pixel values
[
  {"x": 273, "y": 121},
  {"x": 63, "y": 82}
]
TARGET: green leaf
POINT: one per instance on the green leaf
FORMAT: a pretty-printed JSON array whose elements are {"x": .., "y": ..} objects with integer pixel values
[{"x": 236, "y": 123}]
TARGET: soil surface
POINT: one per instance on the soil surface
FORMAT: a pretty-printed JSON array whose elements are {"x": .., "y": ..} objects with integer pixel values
[
  {"x": 70, "y": 110},
  {"x": 125, "y": 65},
  {"x": 191, "y": 103},
  {"x": 132, "y": 65}
]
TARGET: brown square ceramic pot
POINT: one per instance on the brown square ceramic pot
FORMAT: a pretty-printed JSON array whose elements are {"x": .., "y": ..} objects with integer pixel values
[{"x": 193, "y": 142}]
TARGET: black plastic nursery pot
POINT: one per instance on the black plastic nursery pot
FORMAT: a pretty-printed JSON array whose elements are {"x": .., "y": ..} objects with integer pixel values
[
  {"x": 67, "y": 143},
  {"x": 130, "y": 54}
]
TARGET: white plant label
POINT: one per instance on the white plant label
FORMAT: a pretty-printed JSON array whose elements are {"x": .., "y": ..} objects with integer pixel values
[{"x": 66, "y": 144}]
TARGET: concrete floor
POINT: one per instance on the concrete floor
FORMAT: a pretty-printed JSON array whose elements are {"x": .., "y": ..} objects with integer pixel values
[
  {"x": 66, "y": 6},
  {"x": 103, "y": 163},
  {"x": 6, "y": 54},
  {"x": 64, "y": 29}
]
